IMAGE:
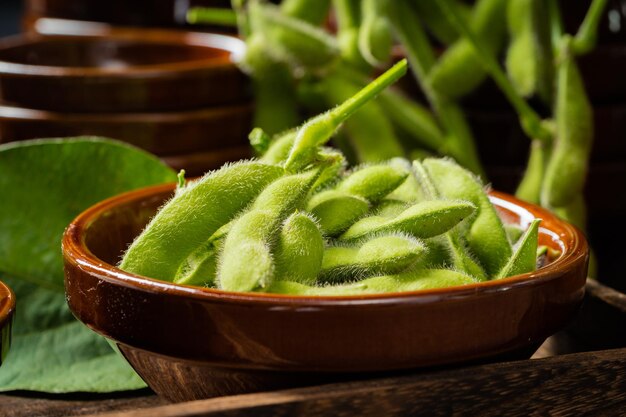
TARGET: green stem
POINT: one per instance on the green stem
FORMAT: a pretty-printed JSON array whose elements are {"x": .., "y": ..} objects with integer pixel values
[
  {"x": 585, "y": 39},
  {"x": 460, "y": 142},
  {"x": 530, "y": 120},
  {"x": 318, "y": 130},
  {"x": 212, "y": 16},
  {"x": 556, "y": 23}
]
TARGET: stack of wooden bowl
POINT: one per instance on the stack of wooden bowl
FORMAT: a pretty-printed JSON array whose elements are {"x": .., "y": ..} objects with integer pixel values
[{"x": 176, "y": 94}]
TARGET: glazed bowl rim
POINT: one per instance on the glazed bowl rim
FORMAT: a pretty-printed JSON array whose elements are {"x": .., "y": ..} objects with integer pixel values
[
  {"x": 219, "y": 41},
  {"x": 76, "y": 252},
  {"x": 6, "y": 312}
]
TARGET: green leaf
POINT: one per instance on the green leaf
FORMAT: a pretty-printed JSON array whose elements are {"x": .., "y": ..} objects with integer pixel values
[
  {"x": 44, "y": 185},
  {"x": 52, "y": 352}
]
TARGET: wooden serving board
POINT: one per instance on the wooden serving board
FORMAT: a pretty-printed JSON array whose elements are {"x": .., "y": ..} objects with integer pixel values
[{"x": 552, "y": 383}]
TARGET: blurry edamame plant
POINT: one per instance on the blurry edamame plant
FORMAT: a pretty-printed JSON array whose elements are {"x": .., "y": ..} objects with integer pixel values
[{"x": 310, "y": 55}]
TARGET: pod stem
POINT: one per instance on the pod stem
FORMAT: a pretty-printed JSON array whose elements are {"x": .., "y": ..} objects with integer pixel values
[
  {"x": 212, "y": 16},
  {"x": 530, "y": 120},
  {"x": 585, "y": 39},
  {"x": 318, "y": 130}
]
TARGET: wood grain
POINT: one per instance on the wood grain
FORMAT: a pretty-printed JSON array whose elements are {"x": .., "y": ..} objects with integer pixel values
[
  {"x": 592, "y": 383},
  {"x": 28, "y": 404}
]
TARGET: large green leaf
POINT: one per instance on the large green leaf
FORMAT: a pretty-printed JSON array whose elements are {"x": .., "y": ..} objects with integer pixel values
[{"x": 44, "y": 184}]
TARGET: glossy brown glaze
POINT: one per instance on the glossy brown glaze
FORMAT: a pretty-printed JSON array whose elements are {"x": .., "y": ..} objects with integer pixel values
[
  {"x": 171, "y": 133},
  {"x": 7, "y": 309},
  {"x": 122, "y": 70},
  {"x": 190, "y": 342}
]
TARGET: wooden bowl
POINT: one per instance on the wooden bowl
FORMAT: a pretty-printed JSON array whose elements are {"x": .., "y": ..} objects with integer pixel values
[
  {"x": 122, "y": 70},
  {"x": 7, "y": 309},
  {"x": 190, "y": 343},
  {"x": 164, "y": 134}
]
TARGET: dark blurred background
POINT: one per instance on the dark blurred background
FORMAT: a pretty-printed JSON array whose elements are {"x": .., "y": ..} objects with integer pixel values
[{"x": 10, "y": 11}]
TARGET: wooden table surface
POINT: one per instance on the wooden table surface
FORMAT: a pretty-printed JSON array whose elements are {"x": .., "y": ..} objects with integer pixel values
[{"x": 591, "y": 383}]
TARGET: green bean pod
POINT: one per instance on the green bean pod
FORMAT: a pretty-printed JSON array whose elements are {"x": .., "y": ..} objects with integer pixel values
[
  {"x": 529, "y": 188},
  {"x": 291, "y": 40},
  {"x": 485, "y": 235},
  {"x": 459, "y": 70},
  {"x": 299, "y": 250},
  {"x": 276, "y": 106},
  {"x": 279, "y": 148},
  {"x": 529, "y": 57},
  {"x": 437, "y": 23},
  {"x": 567, "y": 168},
  {"x": 575, "y": 212},
  {"x": 193, "y": 215},
  {"x": 311, "y": 11},
  {"x": 348, "y": 14},
  {"x": 390, "y": 254},
  {"x": 373, "y": 182},
  {"x": 524, "y": 257},
  {"x": 422, "y": 220},
  {"x": 246, "y": 262},
  {"x": 421, "y": 279},
  {"x": 337, "y": 210},
  {"x": 375, "y": 39}
]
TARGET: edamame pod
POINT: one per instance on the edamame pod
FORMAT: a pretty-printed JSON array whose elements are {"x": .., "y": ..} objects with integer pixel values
[
  {"x": 529, "y": 57},
  {"x": 299, "y": 250},
  {"x": 375, "y": 40},
  {"x": 529, "y": 188},
  {"x": 253, "y": 233},
  {"x": 373, "y": 182},
  {"x": 381, "y": 255},
  {"x": 460, "y": 70},
  {"x": 336, "y": 210},
  {"x": 291, "y": 40},
  {"x": 422, "y": 220},
  {"x": 348, "y": 15},
  {"x": 567, "y": 168},
  {"x": 485, "y": 235},
  {"x": 422, "y": 279},
  {"x": 279, "y": 148},
  {"x": 524, "y": 257},
  {"x": 194, "y": 214},
  {"x": 311, "y": 11}
]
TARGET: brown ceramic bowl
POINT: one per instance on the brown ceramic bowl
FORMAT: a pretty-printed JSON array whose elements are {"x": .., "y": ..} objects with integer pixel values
[
  {"x": 164, "y": 134},
  {"x": 122, "y": 70},
  {"x": 7, "y": 308},
  {"x": 190, "y": 343}
]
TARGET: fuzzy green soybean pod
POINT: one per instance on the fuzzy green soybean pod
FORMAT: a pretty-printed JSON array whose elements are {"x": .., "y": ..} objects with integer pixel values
[
  {"x": 421, "y": 279},
  {"x": 299, "y": 250},
  {"x": 529, "y": 60},
  {"x": 375, "y": 38},
  {"x": 193, "y": 215},
  {"x": 437, "y": 23},
  {"x": 567, "y": 167},
  {"x": 246, "y": 262},
  {"x": 318, "y": 130},
  {"x": 337, "y": 210},
  {"x": 529, "y": 188},
  {"x": 373, "y": 182},
  {"x": 459, "y": 255},
  {"x": 291, "y": 40},
  {"x": 389, "y": 254},
  {"x": 460, "y": 70},
  {"x": 311, "y": 11},
  {"x": 524, "y": 257},
  {"x": 276, "y": 106},
  {"x": 422, "y": 220},
  {"x": 485, "y": 235},
  {"x": 279, "y": 147},
  {"x": 348, "y": 16}
]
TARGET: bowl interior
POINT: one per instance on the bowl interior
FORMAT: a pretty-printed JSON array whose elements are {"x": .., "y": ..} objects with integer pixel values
[
  {"x": 111, "y": 232},
  {"x": 105, "y": 53}
]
